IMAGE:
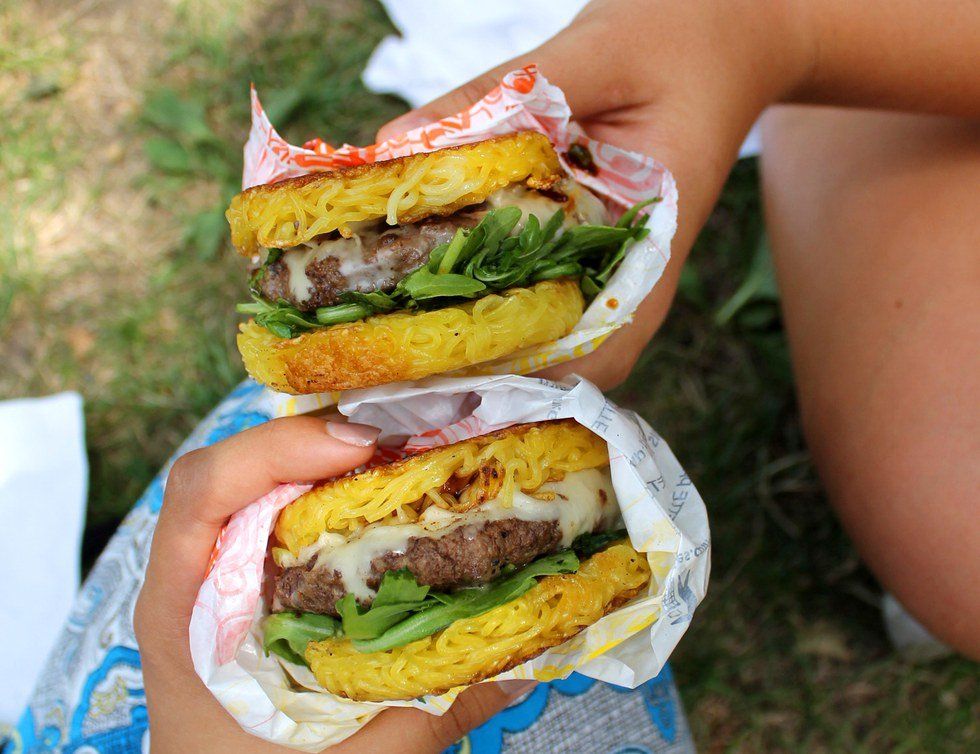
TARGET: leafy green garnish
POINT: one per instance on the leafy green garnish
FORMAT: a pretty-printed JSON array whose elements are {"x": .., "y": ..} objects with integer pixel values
[
  {"x": 404, "y": 611},
  {"x": 287, "y": 634},
  {"x": 399, "y": 595},
  {"x": 279, "y": 318},
  {"x": 480, "y": 260},
  {"x": 422, "y": 285},
  {"x": 335, "y": 315},
  {"x": 441, "y": 610},
  {"x": 255, "y": 281},
  {"x": 588, "y": 544},
  {"x": 378, "y": 300}
]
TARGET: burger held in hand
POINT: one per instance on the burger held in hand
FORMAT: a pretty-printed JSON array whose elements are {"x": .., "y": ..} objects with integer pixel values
[
  {"x": 420, "y": 265},
  {"x": 451, "y": 566}
]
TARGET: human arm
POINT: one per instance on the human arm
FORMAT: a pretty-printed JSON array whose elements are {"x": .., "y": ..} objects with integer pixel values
[{"x": 684, "y": 81}]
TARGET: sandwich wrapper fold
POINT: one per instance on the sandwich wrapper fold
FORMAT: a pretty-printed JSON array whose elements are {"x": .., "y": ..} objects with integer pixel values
[
  {"x": 664, "y": 515},
  {"x": 524, "y": 100}
]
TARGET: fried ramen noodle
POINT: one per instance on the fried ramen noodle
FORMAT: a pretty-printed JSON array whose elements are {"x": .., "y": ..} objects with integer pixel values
[
  {"x": 529, "y": 458},
  {"x": 402, "y": 190},
  {"x": 411, "y": 345},
  {"x": 473, "y": 649}
]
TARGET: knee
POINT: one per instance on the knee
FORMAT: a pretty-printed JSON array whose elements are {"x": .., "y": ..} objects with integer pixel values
[{"x": 908, "y": 502}]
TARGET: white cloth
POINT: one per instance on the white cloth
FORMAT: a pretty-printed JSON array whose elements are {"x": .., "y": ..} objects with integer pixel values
[
  {"x": 43, "y": 483},
  {"x": 445, "y": 43}
]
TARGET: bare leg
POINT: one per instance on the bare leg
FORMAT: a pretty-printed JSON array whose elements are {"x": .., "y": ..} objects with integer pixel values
[{"x": 875, "y": 226}]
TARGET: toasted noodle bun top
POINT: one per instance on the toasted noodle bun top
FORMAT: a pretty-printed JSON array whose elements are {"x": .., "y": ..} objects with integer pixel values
[
  {"x": 521, "y": 457},
  {"x": 403, "y": 190}
]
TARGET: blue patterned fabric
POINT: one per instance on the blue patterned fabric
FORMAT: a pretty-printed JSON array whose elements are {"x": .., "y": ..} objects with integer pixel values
[{"x": 89, "y": 698}]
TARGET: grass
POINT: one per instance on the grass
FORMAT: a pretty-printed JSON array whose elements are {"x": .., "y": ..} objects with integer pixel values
[{"x": 121, "y": 130}]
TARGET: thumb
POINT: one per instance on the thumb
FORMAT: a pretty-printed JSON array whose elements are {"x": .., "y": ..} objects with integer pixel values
[
  {"x": 416, "y": 732},
  {"x": 207, "y": 486},
  {"x": 474, "y": 707},
  {"x": 456, "y": 101},
  {"x": 567, "y": 59}
]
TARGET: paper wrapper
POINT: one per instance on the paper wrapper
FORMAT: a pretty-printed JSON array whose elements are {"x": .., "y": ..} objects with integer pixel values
[
  {"x": 523, "y": 101},
  {"x": 663, "y": 512}
]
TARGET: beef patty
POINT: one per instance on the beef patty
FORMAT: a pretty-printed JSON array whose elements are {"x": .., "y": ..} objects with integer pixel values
[
  {"x": 386, "y": 255},
  {"x": 469, "y": 555}
]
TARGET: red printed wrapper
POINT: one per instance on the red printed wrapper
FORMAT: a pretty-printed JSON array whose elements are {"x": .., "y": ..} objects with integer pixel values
[
  {"x": 525, "y": 100},
  {"x": 664, "y": 514}
]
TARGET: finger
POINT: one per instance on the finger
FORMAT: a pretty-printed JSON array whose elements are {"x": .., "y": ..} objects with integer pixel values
[
  {"x": 567, "y": 60},
  {"x": 416, "y": 732},
  {"x": 206, "y": 486}
]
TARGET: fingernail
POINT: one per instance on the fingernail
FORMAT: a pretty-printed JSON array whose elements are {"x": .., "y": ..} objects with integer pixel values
[
  {"x": 516, "y": 689},
  {"x": 360, "y": 435}
]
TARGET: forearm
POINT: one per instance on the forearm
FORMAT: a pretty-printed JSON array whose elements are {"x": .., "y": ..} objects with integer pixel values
[{"x": 902, "y": 55}]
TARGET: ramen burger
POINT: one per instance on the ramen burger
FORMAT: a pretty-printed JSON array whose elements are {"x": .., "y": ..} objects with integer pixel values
[
  {"x": 451, "y": 566},
  {"x": 430, "y": 263}
]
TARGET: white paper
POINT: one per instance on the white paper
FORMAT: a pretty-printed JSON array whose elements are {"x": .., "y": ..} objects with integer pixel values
[
  {"x": 524, "y": 100},
  {"x": 663, "y": 512},
  {"x": 43, "y": 480}
]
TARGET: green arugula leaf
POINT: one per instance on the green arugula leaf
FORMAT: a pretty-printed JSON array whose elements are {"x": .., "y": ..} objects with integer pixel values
[
  {"x": 611, "y": 262},
  {"x": 287, "y": 634},
  {"x": 279, "y": 318},
  {"x": 588, "y": 544},
  {"x": 629, "y": 216},
  {"x": 399, "y": 595},
  {"x": 423, "y": 284},
  {"x": 375, "y": 300},
  {"x": 549, "y": 271},
  {"x": 339, "y": 313},
  {"x": 452, "y": 252},
  {"x": 468, "y": 603},
  {"x": 530, "y": 237},
  {"x": 590, "y": 287},
  {"x": 273, "y": 256},
  {"x": 584, "y": 238},
  {"x": 491, "y": 256}
]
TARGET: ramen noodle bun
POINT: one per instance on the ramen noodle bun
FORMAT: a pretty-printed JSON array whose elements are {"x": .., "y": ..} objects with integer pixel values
[
  {"x": 451, "y": 566},
  {"x": 430, "y": 263}
]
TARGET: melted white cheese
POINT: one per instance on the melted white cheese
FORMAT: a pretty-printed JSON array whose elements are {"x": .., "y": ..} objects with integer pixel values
[
  {"x": 349, "y": 252},
  {"x": 585, "y": 206},
  {"x": 582, "y": 207},
  {"x": 529, "y": 202},
  {"x": 578, "y": 508}
]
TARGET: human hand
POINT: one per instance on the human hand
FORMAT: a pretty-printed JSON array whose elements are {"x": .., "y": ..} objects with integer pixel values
[
  {"x": 204, "y": 489},
  {"x": 682, "y": 82}
]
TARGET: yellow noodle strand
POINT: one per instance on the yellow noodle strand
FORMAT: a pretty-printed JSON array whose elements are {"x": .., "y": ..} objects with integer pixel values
[
  {"x": 290, "y": 213},
  {"x": 409, "y": 346},
  {"x": 472, "y": 649},
  {"x": 530, "y": 458}
]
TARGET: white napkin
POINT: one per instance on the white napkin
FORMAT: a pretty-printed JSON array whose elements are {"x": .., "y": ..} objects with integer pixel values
[
  {"x": 43, "y": 483},
  {"x": 445, "y": 43}
]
